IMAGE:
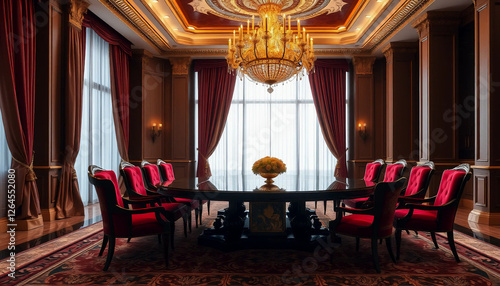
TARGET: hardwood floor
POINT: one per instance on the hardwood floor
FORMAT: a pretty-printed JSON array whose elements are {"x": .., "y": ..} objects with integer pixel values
[{"x": 58, "y": 228}]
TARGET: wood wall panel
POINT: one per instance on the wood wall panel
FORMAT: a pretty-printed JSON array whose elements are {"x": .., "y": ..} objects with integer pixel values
[
  {"x": 424, "y": 100},
  {"x": 379, "y": 109},
  {"x": 180, "y": 118},
  {"x": 481, "y": 186},
  {"x": 153, "y": 113},
  {"x": 56, "y": 71},
  {"x": 48, "y": 136}
]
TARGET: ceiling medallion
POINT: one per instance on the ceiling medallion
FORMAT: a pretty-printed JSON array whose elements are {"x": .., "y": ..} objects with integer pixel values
[
  {"x": 271, "y": 53},
  {"x": 242, "y": 10}
]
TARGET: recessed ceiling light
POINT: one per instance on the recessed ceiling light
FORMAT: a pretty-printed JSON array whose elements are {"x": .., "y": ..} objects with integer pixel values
[
  {"x": 154, "y": 1},
  {"x": 175, "y": 29},
  {"x": 191, "y": 28},
  {"x": 357, "y": 29},
  {"x": 342, "y": 28},
  {"x": 379, "y": 1},
  {"x": 368, "y": 16},
  {"x": 166, "y": 17}
]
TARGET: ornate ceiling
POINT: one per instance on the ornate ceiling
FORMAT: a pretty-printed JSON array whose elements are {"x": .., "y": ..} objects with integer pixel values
[{"x": 202, "y": 27}]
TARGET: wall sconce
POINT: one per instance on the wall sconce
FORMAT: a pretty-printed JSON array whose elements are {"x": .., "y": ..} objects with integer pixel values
[
  {"x": 362, "y": 130},
  {"x": 156, "y": 131}
]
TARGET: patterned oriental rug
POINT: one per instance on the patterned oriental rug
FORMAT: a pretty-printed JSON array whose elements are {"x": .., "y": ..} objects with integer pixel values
[{"x": 74, "y": 260}]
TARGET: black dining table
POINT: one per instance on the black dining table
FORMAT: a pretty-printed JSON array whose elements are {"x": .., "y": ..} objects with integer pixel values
[{"x": 267, "y": 223}]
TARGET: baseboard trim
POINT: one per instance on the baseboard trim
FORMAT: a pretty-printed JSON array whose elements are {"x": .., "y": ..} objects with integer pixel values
[
  {"x": 466, "y": 203},
  {"x": 479, "y": 217},
  {"x": 49, "y": 214},
  {"x": 3, "y": 225}
]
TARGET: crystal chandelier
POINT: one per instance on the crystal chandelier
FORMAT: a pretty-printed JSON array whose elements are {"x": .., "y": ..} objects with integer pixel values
[{"x": 271, "y": 53}]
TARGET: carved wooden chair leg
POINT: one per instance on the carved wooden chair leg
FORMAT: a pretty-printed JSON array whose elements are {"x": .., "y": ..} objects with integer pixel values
[
  {"x": 398, "y": 242},
  {"x": 111, "y": 251},
  {"x": 104, "y": 243},
  {"x": 375, "y": 255},
  {"x": 451, "y": 242},
  {"x": 389, "y": 248},
  {"x": 433, "y": 236}
]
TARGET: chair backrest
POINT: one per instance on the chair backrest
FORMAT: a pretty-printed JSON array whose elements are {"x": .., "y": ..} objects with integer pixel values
[
  {"x": 449, "y": 192},
  {"x": 452, "y": 184},
  {"x": 395, "y": 171},
  {"x": 166, "y": 170},
  {"x": 151, "y": 174},
  {"x": 132, "y": 176},
  {"x": 106, "y": 186},
  {"x": 420, "y": 177},
  {"x": 385, "y": 198},
  {"x": 373, "y": 170}
]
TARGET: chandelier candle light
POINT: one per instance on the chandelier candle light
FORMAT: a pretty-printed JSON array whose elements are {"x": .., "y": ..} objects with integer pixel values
[{"x": 273, "y": 52}]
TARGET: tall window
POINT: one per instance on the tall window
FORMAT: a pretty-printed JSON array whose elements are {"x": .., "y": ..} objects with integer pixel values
[
  {"x": 284, "y": 125},
  {"x": 5, "y": 159},
  {"x": 98, "y": 145}
]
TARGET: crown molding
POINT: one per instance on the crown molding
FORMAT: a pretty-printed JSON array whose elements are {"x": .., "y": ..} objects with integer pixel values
[{"x": 128, "y": 14}]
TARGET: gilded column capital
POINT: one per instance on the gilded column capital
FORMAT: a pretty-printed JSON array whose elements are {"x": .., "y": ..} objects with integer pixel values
[
  {"x": 77, "y": 9},
  {"x": 180, "y": 66},
  {"x": 443, "y": 22},
  {"x": 363, "y": 65}
]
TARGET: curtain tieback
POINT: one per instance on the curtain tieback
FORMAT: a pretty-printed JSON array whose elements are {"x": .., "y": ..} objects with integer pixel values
[
  {"x": 206, "y": 161},
  {"x": 73, "y": 172},
  {"x": 31, "y": 174}
]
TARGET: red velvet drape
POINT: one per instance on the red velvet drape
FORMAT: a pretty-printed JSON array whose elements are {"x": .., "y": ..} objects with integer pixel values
[
  {"x": 120, "y": 52},
  {"x": 120, "y": 94},
  {"x": 215, "y": 92},
  {"x": 328, "y": 85},
  {"x": 17, "y": 98},
  {"x": 68, "y": 201}
]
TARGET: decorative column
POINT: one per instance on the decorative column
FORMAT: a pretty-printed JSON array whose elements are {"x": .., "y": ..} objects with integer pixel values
[
  {"x": 486, "y": 177},
  {"x": 437, "y": 55},
  {"x": 402, "y": 101},
  {"x": 364, "y": 140},
  {"x": 181, "y": 120}
]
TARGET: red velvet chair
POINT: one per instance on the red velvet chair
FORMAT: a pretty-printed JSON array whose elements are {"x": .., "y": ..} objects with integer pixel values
[
  {"x": 375, "y": 222},
  {"x": 121, "y": 222},
  {"x": 152, "y": 176},
  {"x": 136, "y": 190},
  {"x": 394, "y": 171},
  {"x": 372, "y": 174},
  {"x": 439, "y": 215},
  {"x": 167, "y": 176},
  {"x": 420, "y": 177}
]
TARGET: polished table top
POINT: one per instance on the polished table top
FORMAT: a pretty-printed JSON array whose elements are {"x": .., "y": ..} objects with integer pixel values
[{"x": 289, "y": 190}]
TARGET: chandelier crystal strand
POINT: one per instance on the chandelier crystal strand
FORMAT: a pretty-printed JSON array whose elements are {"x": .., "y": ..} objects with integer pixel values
[{"x": 271, "y": 53}]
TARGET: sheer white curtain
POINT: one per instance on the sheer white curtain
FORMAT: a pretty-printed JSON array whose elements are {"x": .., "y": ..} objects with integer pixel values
[
  {"x": 98, "y": 145},
  {"x": 283, "y": 125},
  {"x": 5, "y": 160}
]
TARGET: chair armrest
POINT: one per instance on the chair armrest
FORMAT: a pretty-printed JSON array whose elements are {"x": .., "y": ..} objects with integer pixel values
[
  {"x": 355, "y": 211},
  {"x": 144, "y": 200},
  {"x": 123, "y": 210},
  {"x": 410, "y": 199},
  {"x": 431, "y": 207}
]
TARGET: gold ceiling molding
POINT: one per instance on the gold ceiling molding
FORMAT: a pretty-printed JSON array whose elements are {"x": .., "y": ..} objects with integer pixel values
[
  {"x": 223, "y": 52},
  {"x": 132, "y": 17},
  {"x": 397, "y": 21}
]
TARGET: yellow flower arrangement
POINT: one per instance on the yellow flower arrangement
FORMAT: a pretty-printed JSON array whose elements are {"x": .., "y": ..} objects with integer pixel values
[{"x": 268, "y": 165}]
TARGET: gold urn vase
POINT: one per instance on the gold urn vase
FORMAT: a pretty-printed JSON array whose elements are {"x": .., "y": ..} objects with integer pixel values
[{"x": 269, "y": 182}]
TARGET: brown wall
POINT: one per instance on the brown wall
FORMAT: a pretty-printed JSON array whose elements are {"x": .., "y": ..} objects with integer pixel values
[{"x": 149, "y": 88}]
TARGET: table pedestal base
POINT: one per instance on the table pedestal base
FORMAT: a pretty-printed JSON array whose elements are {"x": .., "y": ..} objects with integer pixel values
[{"x": 231, "y": 232}]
